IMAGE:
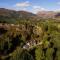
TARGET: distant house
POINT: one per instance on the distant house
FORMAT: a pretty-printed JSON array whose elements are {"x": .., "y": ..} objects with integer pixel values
[{"x": 27, "y": 45}]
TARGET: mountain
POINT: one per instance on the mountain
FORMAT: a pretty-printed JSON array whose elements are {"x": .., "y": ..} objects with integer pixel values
[
  {"x": 48, "y": 14},
  {"x": 12, "y": 16},
  {"x": 7, "y": 15},
  {"x": 10, "y": 13},
  {"x": 57, "y": 15}
]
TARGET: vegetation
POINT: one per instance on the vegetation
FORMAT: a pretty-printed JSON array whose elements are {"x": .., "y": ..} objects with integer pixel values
[{"x": 14, "y": 35}]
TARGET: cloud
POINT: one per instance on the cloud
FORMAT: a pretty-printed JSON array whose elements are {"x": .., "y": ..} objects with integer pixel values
[
  {"x": 36, "y": 9},
  {"x": 57, "y": 10},
  {"x": 58, "y": 3},
  {"x": 23, "y": 4}
]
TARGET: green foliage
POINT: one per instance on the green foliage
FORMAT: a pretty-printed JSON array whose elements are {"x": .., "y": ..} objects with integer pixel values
[
  {"x": 39, "y": 53},
  {"x": 13, "y": 40},
  {"x": 20, "y": 54},
  {"x": 49, "y": 54}
]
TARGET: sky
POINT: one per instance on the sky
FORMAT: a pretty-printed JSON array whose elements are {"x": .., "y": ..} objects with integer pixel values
[{"x": 31, "y": 5}]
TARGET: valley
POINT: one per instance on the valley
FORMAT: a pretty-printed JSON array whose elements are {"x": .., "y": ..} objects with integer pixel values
[{"x": 28, "y": 36}]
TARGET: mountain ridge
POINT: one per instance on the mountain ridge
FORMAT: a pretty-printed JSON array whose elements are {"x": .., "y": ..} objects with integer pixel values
[{"x": 12, "y": 16}]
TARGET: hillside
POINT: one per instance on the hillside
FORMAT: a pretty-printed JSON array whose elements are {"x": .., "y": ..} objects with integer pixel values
[
  {"x": 11, "y": 16},
  {"x": 48, "y": 14},
  {"x": 35, "y": 40},
  {"x": 28, "y": 36}
]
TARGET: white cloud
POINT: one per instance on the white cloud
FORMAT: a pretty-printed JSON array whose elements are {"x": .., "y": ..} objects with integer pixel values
[
  {"x": 26, "y": 4},
  {"x": 37, "y": 9},
  {"x": 23, "y": 4}
]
